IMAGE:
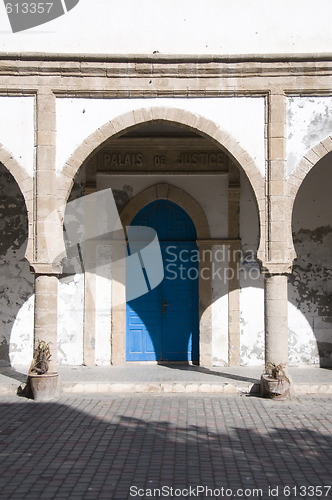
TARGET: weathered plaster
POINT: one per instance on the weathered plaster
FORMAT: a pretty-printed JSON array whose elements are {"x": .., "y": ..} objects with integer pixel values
[
  {"x": 311, "y": 293},
  {"x": 309, "y": 121},
  {"x": 16, "y": 281},
  {"x": 310, "y": 285},
  {"x": 241, "y": 117}
]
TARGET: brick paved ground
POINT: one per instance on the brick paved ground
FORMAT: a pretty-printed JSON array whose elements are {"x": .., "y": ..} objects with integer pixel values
[{"x": 96, "y": 448}]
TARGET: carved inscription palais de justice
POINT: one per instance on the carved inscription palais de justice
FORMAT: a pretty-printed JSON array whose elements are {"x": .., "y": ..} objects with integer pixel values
[{"x": 145, "y": 161}]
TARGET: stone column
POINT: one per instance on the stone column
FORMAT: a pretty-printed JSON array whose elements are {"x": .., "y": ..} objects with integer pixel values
[
  {"x": 45, "y": 328},
  {"x": 276, "y": 324},
  {"x": 48, "y": 237},
  {"x": 279, "y": 254}
]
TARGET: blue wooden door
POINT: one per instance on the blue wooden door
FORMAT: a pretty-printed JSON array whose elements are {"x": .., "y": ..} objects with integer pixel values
[{"x": 162, "y": 325}]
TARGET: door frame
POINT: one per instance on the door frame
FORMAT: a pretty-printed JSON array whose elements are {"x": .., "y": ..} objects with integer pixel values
[{"x": 178, "y": 196}]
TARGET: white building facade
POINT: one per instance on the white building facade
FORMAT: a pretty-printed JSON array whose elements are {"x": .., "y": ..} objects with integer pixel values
[{"x": 228, "y": 157}]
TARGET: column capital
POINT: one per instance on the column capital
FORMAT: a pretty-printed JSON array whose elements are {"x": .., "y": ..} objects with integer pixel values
[
  {"x": 276, "y": 268},
  {"x": 45, "y": 268}
]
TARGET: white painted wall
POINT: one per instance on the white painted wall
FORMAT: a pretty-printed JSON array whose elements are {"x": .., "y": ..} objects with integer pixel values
[
  {"x": 186, "y": 27},
  {"x": 242, "y": 117},
  {"x": 17, "y": 129},
  {"x": 309, "y": 121}
]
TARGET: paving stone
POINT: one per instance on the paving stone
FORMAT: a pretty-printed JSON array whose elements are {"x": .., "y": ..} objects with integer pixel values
[{"x": 95, "y": 447}]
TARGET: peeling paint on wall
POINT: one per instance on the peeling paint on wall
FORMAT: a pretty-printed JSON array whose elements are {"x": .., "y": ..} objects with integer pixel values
[
  {"x": 309, "y": 121},
  {"x": 16, "y": 281},
  {"x": 311, "y": 293},
  {"x": 310, "y": 285},
  {"x": 123, "y": 196}
]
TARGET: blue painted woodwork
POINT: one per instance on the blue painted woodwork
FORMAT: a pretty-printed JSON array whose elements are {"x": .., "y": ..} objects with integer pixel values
[{"x": 173, "y": 336}]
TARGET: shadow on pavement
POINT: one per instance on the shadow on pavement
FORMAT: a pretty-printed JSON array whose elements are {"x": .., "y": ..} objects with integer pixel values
[
  {"x": 208, "y": 371},
  {"x": 96, "y": 449}
]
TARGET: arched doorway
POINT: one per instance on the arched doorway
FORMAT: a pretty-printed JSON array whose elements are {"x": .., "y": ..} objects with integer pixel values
[
  {"x": 162, "y": 325},
  {"x": 310, "y": 284}
]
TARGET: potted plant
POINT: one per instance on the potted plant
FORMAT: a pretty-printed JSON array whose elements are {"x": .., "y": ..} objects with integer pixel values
[
  {"x": 274, "y": 382},
  {"x": 43, "y": 383}
]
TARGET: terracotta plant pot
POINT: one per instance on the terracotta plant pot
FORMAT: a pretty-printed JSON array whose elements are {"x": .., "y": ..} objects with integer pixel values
[
  {"x": 274, "y": 388},
  {"x": 44, "y": 387}
]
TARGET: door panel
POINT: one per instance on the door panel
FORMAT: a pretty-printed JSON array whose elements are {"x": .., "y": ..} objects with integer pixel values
[
  {"x": 172, "y": 335},
  {"x": 180, "y": 322}
]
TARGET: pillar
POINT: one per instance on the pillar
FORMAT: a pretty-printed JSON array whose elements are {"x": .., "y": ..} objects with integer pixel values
[
  {"x": 276, "y": 324},
  {"x": 279, "y": 254},
  {"x": 48, "y": 237},
  {"x": 45, "y": 326}
]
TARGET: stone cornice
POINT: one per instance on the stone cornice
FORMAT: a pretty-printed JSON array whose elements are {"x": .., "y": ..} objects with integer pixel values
[
  {"x": 157, "y": 57},
  {"x": 161, "y": 66}
]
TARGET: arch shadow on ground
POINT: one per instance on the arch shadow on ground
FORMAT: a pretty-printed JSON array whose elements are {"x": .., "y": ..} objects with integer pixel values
[{"x": 89, "y": 448}]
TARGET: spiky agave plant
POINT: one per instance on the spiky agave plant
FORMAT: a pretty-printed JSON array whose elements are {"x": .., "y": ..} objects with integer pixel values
[{"x": 41, "y": 357}]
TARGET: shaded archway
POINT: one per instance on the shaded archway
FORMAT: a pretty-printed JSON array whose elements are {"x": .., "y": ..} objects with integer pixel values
[
  {"x": 310, "y": 289},
  {"x": 16, "y": 281},
  {"x": 25, "y": 184},
  {"x": 303, "y": 168},
  {"x": 237, "y": 157}
]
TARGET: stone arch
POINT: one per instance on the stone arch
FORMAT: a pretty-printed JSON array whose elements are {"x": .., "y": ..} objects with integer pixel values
[
  {"x": 165, "y": 191},
  {"x": 25, "y": 184},
  {"x": 307, "y": 162},
  {"x": 176, "y": 117}
]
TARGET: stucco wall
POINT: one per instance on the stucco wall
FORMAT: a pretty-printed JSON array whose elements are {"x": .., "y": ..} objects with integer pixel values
[
  {"x": 16, "y": 281},
  {"x": 172, "y": 27}
]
